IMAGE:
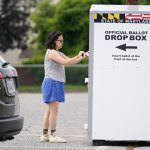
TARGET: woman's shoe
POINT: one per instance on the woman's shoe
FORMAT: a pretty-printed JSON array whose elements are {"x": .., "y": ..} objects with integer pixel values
[
  {"x": 56, "y": 139},
  {"x": 44, "y": 138}
]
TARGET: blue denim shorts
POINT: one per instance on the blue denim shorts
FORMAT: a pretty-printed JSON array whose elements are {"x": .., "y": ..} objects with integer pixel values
[{"x": 52, "y": 90}]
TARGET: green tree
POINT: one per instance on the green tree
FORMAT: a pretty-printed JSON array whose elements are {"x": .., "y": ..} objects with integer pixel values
[
  {"x": 144, "y": 2},
  {"x": 44, "y": 19},
  {"x": 14, "y": 23}
]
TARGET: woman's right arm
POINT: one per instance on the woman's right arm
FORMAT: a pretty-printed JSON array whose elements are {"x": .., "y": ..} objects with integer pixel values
[{"x": 55, "y": 56}]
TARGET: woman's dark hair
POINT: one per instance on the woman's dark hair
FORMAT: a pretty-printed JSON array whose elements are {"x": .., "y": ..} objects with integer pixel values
[{"x": 52, "y": 37}]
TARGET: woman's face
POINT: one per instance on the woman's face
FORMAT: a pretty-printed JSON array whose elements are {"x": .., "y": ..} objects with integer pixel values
[{"x": 59, "y": 42}]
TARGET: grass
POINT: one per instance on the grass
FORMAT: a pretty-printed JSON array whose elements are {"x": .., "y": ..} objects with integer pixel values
[
  {"x": 76, "y": 88},
  {"x": 68, "y": 88}
]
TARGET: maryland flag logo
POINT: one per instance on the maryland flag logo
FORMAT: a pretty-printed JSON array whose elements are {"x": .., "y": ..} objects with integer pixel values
[
  {"x": 121, "y": 18},
  {"x": 109, "y": 17}
]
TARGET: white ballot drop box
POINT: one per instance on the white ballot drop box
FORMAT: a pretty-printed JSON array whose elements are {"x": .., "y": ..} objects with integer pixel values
[{"x": 119, "y": 73}]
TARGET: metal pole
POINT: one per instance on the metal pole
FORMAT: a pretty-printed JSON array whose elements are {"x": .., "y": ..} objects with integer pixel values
[{"x": 131, "y": 2}]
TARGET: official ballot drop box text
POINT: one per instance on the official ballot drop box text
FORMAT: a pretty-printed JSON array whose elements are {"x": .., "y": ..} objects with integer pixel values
[{"x": 119, "y": 73}]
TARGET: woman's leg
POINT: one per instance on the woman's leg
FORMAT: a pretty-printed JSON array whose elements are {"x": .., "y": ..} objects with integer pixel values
[
  {"x": 46, "y": 117},
  {"x": 52, "y": 123},
  {"x": 53, "y": 115},
  {"x": 44, "y": 137}
]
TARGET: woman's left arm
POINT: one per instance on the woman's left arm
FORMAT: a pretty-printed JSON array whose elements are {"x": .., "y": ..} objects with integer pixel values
[{"x": 77, "y": 60}]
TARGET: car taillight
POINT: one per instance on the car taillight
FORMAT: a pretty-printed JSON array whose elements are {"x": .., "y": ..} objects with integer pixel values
[{"x": 1, "y": 76}]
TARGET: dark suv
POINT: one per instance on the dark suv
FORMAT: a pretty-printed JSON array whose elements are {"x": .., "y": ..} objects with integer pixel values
[{"x": 10, "y": 121}]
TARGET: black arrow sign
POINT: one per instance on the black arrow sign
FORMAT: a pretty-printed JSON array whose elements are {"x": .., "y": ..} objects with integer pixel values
[{"x": 124, "y": 47}]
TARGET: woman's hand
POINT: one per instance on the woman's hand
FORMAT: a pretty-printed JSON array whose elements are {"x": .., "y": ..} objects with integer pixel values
[{"x": 81, "y": 53}]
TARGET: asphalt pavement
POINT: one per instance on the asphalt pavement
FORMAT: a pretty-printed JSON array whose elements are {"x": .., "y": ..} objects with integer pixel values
[{"x": 70, "y": 125}]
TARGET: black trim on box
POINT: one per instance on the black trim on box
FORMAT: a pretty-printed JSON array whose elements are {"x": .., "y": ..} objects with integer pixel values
[{"x": 120, "y": 143}]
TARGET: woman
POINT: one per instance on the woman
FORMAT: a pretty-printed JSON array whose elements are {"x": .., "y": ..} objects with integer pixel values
[{"x": 53, "y": 83}]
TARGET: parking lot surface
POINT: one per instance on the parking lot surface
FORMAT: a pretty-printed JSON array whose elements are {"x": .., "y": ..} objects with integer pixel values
[{"x": 70, "y": 125}]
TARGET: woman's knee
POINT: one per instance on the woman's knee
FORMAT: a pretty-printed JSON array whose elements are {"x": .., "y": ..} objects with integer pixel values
[
  {"x": 54, "y": 107},
  {"x": 47, "y": 109}
]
